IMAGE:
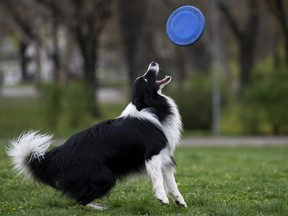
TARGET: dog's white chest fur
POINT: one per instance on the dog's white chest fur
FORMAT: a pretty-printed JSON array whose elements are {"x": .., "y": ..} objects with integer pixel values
[{"x": 172, "y": 126}]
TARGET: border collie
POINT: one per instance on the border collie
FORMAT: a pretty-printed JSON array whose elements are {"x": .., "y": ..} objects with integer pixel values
[{"x": 88, "y": 165}]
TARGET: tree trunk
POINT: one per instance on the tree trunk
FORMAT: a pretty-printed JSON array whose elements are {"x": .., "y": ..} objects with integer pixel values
[
  {"x": 246, "y": 59},
  {"x": 88, "y": 48},
  {"x": 132, "y": 62},
  {"x": 55, "y": 53},
  {"x": 38, "y": 61},
  {"x": 132, "y": 16},
  {"x": 66, "y": 58},
  {"x": 279, "y": 10},
  {"x": 23, "y": 59},
  {"x": 246, "y": 39}
]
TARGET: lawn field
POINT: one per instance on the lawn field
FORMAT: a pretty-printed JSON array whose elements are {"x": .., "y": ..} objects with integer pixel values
[{"x": 213, "y": 181}]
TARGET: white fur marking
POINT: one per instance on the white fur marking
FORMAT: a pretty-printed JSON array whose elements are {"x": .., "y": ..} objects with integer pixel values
[
  {"x": 144, "y": 114},
  {"x": 96, "y": 206},
  {"x": 28, "y": 144},
  {"x": 172, "y": 126}
]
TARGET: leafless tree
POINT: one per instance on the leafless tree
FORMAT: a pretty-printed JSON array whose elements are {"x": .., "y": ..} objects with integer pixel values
[
  {"x": 246, "y": 37},
  {"x": 279, "y": 9},
  {"x": 85, "y": 20},
  {"x": 22, "y": 20},
  {"x": 132, "y": 16}
]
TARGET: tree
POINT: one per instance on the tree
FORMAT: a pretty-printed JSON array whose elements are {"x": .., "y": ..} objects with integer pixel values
[
  {"x": 85, "y": 20},
  {"x": 246, "y": 38},
  {"x": 132, "y": 16},
  {"x": 279, "y": 10},
  {"x": 26, "y": 26}
]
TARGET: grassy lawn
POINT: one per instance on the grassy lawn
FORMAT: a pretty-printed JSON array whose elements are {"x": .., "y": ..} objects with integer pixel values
[{"x": 214, "y": 181}]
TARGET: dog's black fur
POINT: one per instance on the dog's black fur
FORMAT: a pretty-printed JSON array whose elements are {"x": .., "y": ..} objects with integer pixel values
[{"x": 89, "y": 163}]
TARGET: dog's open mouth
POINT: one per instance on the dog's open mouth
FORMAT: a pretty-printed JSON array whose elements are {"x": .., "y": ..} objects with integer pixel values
[{"x": 164, "y": 80}]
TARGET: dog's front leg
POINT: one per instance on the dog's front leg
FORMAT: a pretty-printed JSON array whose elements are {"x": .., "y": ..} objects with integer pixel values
[
  {"x": 168, "y": 173},
  {"x": 154, "y": 170}
]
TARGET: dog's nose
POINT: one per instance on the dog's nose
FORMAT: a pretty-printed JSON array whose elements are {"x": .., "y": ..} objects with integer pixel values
[{"x": 153, "y": 63}]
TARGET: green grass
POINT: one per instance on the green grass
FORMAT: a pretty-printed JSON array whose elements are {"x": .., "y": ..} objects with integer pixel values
[{"x": 213, "y": 181}]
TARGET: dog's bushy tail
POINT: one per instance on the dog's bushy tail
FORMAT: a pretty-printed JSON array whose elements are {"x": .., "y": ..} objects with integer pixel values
[{"x": 28, "y": 147}]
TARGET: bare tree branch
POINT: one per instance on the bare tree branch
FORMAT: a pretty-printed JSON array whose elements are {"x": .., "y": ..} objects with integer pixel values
[{"x": 231, "y": 20}]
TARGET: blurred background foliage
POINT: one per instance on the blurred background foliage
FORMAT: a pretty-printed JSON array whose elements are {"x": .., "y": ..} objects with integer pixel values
[{"x": 78, "y": 59}]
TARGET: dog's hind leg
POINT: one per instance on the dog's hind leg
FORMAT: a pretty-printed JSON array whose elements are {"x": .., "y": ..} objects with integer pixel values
[
  {"x": 85, "y": 190},
  {"x": 93, "y": 190},
  {"x": 153, "y": 167}
]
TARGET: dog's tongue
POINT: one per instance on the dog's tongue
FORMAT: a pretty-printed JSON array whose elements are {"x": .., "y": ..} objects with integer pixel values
[{"x": 165, "y": 79}]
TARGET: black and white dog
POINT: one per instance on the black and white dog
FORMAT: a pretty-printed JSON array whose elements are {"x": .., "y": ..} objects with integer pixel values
[{"x": 90, "y": 162}]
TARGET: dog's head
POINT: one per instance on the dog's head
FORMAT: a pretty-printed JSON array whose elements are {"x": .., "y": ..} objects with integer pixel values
[{"x": 147, "y": 89}]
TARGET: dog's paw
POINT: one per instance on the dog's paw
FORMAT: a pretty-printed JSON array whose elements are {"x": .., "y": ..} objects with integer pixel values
[
  {"x": 181, "y": 202},
  {"x": 162, "y": 196},
  {"x": 164, "y": 200}
]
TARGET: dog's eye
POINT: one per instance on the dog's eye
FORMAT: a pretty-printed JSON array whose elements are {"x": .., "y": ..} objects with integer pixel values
[{"x": 145, "y": 80}]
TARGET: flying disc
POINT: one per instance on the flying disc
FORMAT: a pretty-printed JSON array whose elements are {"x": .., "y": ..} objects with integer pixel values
[{"x": 185, "y": 25}]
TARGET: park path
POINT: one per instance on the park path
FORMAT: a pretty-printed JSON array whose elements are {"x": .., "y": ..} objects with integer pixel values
[
  {"x": 256, "y": 141},
  {"x": 259, "y": 141},
  {"x": 112, "y": 95},
  {"x": 251, "y": 141}
]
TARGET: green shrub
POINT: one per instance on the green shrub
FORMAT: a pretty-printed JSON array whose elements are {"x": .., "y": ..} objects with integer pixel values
[
  {"x": 76, "y": 103},
  {"x": 265, "y": 102},
  {"x": 51, "y": 97},
  {"x": 67, "y": 105},
  {"x": 195, "y": 102},
  {"x": 230, "y": 120}
]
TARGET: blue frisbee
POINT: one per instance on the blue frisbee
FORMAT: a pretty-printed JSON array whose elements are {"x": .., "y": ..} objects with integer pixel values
[{"x": 185, "y": 25}]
